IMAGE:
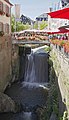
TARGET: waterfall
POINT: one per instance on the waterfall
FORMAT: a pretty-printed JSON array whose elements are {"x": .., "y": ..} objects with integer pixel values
[
  {"x": 27, "y": 116},
  {"x": 30, "y": 69},
  {"x": 32, "y": 91},
  {"x": 36, "y": 69}
]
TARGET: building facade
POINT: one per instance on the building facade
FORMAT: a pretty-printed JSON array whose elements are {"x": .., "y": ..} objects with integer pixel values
[
  {"x": 42, "y": 17},
  {"x": 5, "y": 44},
  {"x": 55, "y": 23}
]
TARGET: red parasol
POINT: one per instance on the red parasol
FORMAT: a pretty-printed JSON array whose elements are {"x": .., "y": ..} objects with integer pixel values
[
  {"x": 60, "y": 30},
  {"x": 63, "y": 13}
]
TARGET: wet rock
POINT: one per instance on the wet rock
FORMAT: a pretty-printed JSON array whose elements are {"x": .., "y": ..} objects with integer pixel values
[
  {"x": 36, "y": 108},
  {"x": 18, "y": 107},
  {"x": 7, "y": 104},
  {"x": 41, "y": 111}
]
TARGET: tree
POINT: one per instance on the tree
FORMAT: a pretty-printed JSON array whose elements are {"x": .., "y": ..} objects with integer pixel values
[
  {"x": 43, "y": 25},
  {"x": 12, "y": 23},
  {"x": 19, "y": 26},
  {"x": 27, "y": 26},
  {"x": 35, "y": 25}
]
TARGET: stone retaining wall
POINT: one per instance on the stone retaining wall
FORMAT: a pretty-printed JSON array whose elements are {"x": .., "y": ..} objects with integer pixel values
[
  {"x": 15, "y": 63},
  {"x": 5, "y": 61},
  {"x": 61, "y": 66}
]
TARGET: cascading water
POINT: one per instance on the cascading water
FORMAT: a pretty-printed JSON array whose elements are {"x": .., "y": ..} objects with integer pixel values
[
  {"x": 36, "y": 69},
  {"x": 36, "y": 77},
  {"x": 30, "y": 69},
  {"x": 27, "y": 116}
]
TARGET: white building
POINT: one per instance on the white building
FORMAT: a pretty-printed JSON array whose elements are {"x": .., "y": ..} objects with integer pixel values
[
  {"x": 41, "y": 18},
  {"x": 54, "y": 23}
]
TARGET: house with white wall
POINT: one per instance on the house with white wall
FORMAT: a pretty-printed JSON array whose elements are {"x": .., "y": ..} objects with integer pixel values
[{"x": 54, "y": 23}]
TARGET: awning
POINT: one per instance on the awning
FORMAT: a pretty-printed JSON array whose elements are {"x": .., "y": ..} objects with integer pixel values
[
  {"x": 65, "y": 26},
  {"x": 60, "y": 30},
  {"x": 63, "y": 13}
]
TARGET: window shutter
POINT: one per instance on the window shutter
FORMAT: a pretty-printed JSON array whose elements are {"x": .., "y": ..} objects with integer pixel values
[
  {"x": 4, "y": 8},
  {"x": 1, "y": 6},
  {"x": 4, "y": 28},
  {"x": 7, "y": 28},
  {"x": 7, "y": 11},
  {"x": 0, "y": 47},
  {"x": 1, "y": 26}
]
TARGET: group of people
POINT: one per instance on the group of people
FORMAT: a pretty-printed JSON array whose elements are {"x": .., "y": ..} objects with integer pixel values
[{"x": 60, "y": 37}]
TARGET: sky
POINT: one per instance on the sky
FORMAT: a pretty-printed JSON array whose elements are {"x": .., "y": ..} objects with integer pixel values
[{"x": 33, "y": 8}]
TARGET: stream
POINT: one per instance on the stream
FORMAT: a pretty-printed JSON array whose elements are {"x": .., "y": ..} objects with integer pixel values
[{"x": 31, "y": 92}]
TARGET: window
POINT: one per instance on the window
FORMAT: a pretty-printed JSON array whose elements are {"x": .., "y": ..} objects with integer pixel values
[
  {"x": 7, "y": 28},
  {"x": 0, "y": 47},
  {"x": 4, "y": 11},
  {"x": 1, "y": 6},
  {"x": 7, "y": 11},
  {"x": 4, "y": 28}
]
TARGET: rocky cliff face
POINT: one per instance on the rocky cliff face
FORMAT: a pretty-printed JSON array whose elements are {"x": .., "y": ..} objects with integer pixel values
[{"x": 7, "y": 104}]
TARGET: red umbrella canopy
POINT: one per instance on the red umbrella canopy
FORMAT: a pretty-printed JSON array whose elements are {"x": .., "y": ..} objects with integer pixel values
[
  {"x": 63, "y": 13},
  {"x": 60, "y": 30}
]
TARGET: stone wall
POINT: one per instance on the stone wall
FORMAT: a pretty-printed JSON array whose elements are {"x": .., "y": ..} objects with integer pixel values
[
  {"x": 5, "y": 61},
  {"x": 61, "y": 66},
  {"x": 15, "y": 62}
]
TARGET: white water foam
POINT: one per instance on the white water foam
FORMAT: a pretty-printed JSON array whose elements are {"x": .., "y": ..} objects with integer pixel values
[
  {"x": 35, "y": 85},
  {"x": 27, "y": 116},
  {"x": 38, "y": 49}
]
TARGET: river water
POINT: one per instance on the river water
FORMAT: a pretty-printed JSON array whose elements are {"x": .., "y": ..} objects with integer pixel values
[{"x": 32, "y": 91}]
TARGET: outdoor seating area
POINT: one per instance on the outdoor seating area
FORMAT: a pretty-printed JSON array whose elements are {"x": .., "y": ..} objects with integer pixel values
[
  {"x": 62, "y": 46},
  {"x": 32, "y": 35}
]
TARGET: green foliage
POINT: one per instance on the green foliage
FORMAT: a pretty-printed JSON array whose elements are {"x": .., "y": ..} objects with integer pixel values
[
  {"x": 60, "y": 118},
  {"x": 12, "y": 23},
  {"x": 65, "y": 116},
  {"x": 43, "y": 25},
  {"x": 53, "y": 97},
  {"x": 19, "y": 26},
  {"x": 27, "y": 26},
  {"x": 52, "y": 102},
  {"x": 50, "y": 63},
  {"x": 42, "y": 113},
  {"x": 48, "y": 49},
  {"x": 62, "y": 43},
  {"x": 35, "y": 26}
]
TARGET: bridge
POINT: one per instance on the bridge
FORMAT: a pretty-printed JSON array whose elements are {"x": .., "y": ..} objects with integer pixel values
[{"x": 23, "y": 42}]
